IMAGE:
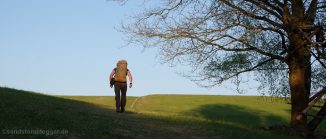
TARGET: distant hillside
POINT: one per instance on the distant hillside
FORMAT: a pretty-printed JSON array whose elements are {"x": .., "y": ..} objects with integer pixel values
[{"x": 154, "y": 116}]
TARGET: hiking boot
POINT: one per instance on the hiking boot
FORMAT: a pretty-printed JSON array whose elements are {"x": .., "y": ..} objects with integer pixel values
[
  {"x": 117, "y": 109},
  {"x": 122, "y": 110}
]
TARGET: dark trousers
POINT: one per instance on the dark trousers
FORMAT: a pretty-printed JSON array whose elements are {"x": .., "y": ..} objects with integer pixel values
[{"x": 120, "y": 88}]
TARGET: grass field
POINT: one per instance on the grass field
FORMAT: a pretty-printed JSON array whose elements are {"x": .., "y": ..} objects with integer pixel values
[{"x": 153, "y": 116}]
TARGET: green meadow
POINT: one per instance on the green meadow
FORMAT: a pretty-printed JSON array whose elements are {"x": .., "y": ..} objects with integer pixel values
[{"x": 147, "y": 117}]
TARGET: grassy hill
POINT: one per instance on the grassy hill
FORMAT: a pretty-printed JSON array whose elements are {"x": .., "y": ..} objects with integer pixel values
[{"x": 154, "y": 116}]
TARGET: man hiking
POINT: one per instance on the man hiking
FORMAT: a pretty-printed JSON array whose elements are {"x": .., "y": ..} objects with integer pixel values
[{"x": 120, "y": 74}]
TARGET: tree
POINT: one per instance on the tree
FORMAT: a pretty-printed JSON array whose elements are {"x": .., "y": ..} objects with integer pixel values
[{"x": 281, "y": 42}]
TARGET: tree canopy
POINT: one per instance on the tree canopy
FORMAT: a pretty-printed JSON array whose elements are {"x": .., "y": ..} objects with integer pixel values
[
  {"x": 280, "y": 42},
  {"x": 223, "y": 39}
]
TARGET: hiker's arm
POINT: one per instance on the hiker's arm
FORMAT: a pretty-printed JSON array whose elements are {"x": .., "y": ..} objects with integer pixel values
[
  {"x": 130, "y": 78},
  {"x": 111, "y": 75}
]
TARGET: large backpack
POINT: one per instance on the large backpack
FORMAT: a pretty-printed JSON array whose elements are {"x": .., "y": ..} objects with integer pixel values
[{"x": 121, "y": 71}]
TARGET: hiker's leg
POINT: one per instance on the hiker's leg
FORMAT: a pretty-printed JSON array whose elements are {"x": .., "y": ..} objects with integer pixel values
[
  {"x": 117, "y": 95},
  {"x": 123, "y": 96}
]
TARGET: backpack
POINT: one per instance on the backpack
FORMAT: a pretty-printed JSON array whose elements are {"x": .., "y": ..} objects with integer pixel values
[{"x": 121, "y": 71}]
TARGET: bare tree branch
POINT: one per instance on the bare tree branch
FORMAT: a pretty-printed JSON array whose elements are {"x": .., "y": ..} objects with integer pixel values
[
  {"x": 267, "y": 9},
  {"x": 252, "y": 15}
]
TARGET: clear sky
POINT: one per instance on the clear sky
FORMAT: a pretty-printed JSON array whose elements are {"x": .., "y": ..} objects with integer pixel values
[{"x": 69, "y": 47}]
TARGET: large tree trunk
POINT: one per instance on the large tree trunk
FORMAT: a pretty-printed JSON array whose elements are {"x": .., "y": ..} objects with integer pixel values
[
  {"x": 299, "y": 80},
  {"x": 299, "y": 100}
]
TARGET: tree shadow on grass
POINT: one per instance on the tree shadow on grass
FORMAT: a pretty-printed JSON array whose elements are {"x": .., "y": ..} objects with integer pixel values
[
  {"x": 237, "y": 115},
  {"x": 237, "y": 122}
]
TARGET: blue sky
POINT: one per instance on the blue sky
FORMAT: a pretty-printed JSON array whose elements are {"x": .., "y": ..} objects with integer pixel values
[{"x": 69, "y": 47}]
